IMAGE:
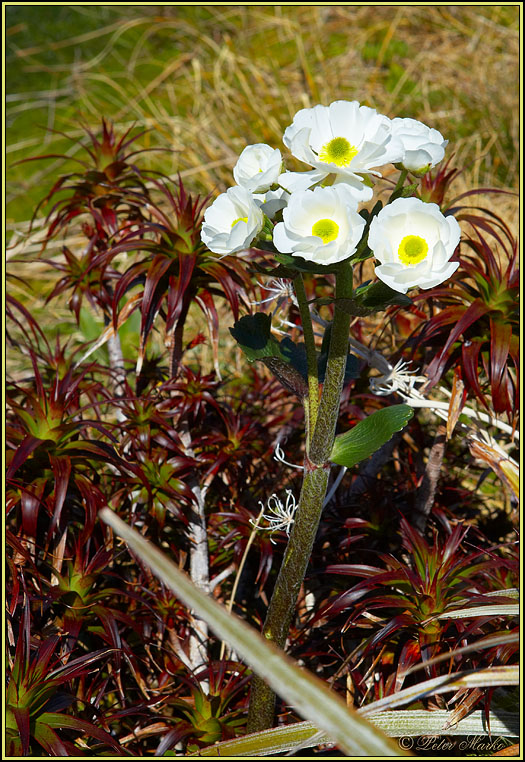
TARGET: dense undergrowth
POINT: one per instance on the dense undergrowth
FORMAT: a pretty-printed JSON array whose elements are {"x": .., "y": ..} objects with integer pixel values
[
  {"x": 103, "y": 657},
  {"x": 124, "y": 388}
]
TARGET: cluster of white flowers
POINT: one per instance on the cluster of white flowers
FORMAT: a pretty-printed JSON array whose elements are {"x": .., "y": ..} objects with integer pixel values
[{"x": 318, "y": 220}]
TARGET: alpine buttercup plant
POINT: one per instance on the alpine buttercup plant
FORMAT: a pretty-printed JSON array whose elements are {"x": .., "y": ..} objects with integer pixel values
[
  {"x": 317, "y": 228},
  {"x": 123, "y": 419}
]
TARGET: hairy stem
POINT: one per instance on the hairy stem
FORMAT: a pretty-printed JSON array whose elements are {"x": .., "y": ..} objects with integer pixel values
[
  {"x": 324, "y": 432},
  {"x": 315, "y": 482},
  {"x": 291, "y": 575}
]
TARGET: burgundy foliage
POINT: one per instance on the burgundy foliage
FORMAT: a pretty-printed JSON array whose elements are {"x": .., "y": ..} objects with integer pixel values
[{"x": 98, "y": 648}]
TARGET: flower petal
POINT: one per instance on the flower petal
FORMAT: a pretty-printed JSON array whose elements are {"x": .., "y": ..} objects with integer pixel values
[{"x": 413, "y": 241}]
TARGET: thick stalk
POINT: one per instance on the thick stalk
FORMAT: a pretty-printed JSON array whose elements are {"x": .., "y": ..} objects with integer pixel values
[
  {"x": 291, "y": 575},
  {"x": 315, "y": 482},
  {"x": 324, "y": 432}
]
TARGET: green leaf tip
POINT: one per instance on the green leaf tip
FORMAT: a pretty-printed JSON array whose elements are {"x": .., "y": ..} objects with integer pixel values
[{"x": 369, "y": 435}]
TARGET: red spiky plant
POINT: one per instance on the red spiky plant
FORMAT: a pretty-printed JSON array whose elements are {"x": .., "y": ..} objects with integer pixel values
[{"x": 99, "y": 651}]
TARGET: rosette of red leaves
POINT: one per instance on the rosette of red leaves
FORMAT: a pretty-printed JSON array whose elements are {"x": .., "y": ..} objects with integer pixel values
[{"x": 476, "y": 326}]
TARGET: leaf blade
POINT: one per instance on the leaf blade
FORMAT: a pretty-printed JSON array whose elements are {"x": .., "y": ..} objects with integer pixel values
[
  {"x": 398, "y": 723},
  {"x": 369, "y": 435},
  {"x": 308, "y": 694}
]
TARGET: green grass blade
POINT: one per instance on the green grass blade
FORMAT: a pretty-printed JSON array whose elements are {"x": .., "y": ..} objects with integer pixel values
[
  {"x": 397, "y": 724},
  {"x": 480, "y": 678},
  {"x": 309, "y": 696},
  {"x": 497, "y": 609}
]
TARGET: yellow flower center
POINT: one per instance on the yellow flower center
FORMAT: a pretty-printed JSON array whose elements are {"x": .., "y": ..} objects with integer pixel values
[
  {"x": 412, "y": 250},
  {"x": 338, "y": 151},
  {"x": 239, "y": 219},
  {"x": 327, "y": 230}
]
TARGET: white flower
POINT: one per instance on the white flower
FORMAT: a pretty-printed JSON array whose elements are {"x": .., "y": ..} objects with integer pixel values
[
  {"x": 320, "y": 225},
  {"x": 281, "y": 291},
  {"x": 232, "y": 221},
  {"x": 279, "y": 516},
  {"x": 343, "y": 138},
  {"x": 398, "y": 379},
  {"x": 414, "y": 242},
  {"x": 258, "y": 167},
  {"x": 424, "y": 146}
]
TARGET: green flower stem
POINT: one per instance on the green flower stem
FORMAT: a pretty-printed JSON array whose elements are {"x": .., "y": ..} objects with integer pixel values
[
  {"x": 284, "y": 598},
  {"x": 308, "y": 515},
  {"x": 311, "y": 355},
  {"x": 324, "y": 432},
  {"x": 400, "y": 182}
]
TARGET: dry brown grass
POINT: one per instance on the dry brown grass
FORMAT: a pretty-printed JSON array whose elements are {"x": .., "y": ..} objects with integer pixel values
[
  {"x": 208, "y": 80},
  {"x": 208, "y": 83}
]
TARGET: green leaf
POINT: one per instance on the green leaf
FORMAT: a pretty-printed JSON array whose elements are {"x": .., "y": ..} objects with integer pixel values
[
  {"x": 409, "y": 190},
  {"x": 295, "y": 354},
  {"x": 286, "y": 360},
  {"x": 399, "y": 723},
  {"x": 58, "y": 720},
  {"x": 404, "y": 192},
  {"x": 363, "y": 251},
  {"x": 378, "y": 295},
  {"x": 253, "y": 334},
  {"x": 369, "y": 435},
  {"x": 308, "y": 694}
]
